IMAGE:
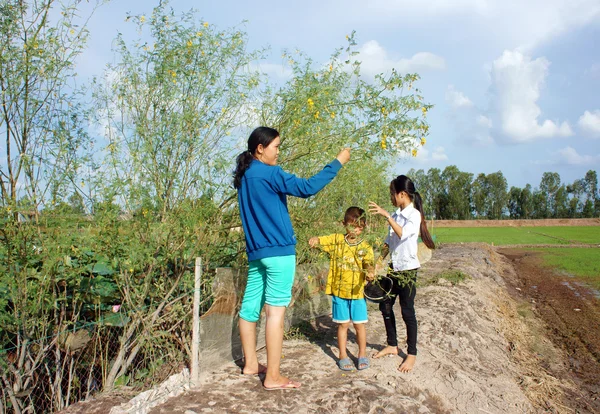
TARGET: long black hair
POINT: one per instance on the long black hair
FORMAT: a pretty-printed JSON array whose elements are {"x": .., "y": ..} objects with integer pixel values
[
  {"x": 403, "y": 183},
  {"x": 261, "y": 135}
]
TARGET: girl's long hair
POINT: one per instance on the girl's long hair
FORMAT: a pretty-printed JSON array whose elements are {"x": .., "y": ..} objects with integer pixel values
[
  {"x": 261, "y": 135},
  {"x": 403, "y": 183}
]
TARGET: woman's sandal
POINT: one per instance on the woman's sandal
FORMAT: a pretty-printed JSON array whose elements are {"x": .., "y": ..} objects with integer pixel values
[
  {"x": 363, "y": 363},
  {"x": 345, "y": 364}
]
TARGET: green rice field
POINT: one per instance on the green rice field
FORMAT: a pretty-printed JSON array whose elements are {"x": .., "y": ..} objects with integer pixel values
[
  {"x": 580, "y": 262},
  {"x": 501, "y": 236}
]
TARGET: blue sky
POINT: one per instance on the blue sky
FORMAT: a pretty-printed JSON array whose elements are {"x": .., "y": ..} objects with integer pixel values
[{"x": 515, "y": 83}]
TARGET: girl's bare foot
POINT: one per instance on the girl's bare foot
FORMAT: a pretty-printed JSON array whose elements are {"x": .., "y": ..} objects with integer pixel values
[
  {"x": 259, "y": 369},
  {"x": 282, "y": 384},
  {"x": 388, "y": 350},
  {"x": 408, "y": 363}
]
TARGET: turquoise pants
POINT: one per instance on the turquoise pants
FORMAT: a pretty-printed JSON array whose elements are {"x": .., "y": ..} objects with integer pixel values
[{"x": 270, "y": 281}]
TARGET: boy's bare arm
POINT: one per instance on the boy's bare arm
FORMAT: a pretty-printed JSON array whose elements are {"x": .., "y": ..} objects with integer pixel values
[
  {"x": 370, "y": 272},
  {"x": 385, "y": 250},
  {"x": 313, "y": 241}
]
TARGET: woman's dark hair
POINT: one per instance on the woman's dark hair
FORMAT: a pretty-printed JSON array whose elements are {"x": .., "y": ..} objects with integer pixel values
[
  {"x": 261, "y": 135},
  {"x": 403, "y": 183}
]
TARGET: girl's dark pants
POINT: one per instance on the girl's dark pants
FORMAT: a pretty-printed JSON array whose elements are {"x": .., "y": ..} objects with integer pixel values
[{"x": 404, "y": 288}]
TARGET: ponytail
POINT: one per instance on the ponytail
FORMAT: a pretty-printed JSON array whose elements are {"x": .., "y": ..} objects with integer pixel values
[
  {"x": 425, "y": 236},
  {"x": 242, "y": 163},
  {"x": 260, "y": 136}
]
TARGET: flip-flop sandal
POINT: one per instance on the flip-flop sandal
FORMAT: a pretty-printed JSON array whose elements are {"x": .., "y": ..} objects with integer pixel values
[
  {"x": 291, "y": 385},
  {"x": 363, "y": 363},
  {"x": 345, "y": 364}
]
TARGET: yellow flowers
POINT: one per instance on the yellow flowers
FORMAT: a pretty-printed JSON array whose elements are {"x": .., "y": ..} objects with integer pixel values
[
  {"x": 205, "y": 24},
  {"x": 72, "y": 31},
  {"x": 424, "y": 110},
  {"x": 330, "y": 68},
  {"x": 423, "y": 141},
  {"x": 347, "y": 37},
  {"x": 316, "y": 115},
  {"x": 310, "y": 103},
  {"x": 332, "y": 115},
  {"x": 414, "y": 152},
  {"x": 189, "y": 43},
  {"x": 383, "y": 142},
  {"x": 199, "y": 34},
  {"x": 142, "y": 19}
]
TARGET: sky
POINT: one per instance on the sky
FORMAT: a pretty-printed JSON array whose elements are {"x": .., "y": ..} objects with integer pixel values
[{"x": 515, "y": 84}]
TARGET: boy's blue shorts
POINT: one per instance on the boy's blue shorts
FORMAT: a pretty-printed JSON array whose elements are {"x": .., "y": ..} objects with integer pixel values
[
  {"x": 270, "y": 281},
  {"x": 349, "y": 310}
]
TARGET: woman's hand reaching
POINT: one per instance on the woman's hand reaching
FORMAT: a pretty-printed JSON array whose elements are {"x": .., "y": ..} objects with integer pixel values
[{"x": 344, "y": 156}]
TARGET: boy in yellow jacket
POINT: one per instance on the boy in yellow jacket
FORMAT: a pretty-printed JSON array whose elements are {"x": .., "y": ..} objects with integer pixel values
[{"x": 350, "y": 263}]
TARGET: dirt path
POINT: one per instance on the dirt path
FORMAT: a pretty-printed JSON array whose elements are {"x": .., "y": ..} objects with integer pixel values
[{"x": 477, "y": 354}]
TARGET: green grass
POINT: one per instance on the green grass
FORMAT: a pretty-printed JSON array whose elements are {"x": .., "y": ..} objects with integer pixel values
[
  {"x": 501, "y": 236},
  {"x": 453, "y": 276},
  {"x": 580, "y": 262}
]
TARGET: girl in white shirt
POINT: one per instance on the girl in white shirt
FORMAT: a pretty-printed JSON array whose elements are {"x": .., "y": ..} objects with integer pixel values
[{"x": 405, "y": 225}]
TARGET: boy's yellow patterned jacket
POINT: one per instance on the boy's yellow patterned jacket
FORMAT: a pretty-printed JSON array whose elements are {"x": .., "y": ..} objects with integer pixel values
[{"x": 347, "y": 265}]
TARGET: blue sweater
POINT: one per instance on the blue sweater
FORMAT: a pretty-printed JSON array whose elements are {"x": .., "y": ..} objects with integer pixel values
[{"x": 262, "y": 198}]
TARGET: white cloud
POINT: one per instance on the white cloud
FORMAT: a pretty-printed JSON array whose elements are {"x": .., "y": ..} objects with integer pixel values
[
  {"x": 589, "y": 123},
  {"x": 484, "y": 121},
  {"x": 424, "y": 156},
  {"x": 457, "y": 99},
  {"x": 439, "y": 154},
  {"x": 272, "y": 69},
  {"x": 532, "y": 22},
  {"x": 516, "y": 82},
  {"x": 593, "y": 71},
  {"x": 375, "y": 60},
  {"x": 569, "y": 156}
]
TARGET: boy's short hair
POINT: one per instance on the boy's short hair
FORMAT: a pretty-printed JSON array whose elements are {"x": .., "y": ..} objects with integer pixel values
[{"x": 355, "y": 215}]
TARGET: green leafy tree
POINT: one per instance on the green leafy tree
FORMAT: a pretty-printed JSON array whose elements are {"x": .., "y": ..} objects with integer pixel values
[
  {"x": 45, "y": 145},
  {"x": 170, "y": 106},
  {"x": 549, "y": 185},
  {"x": 458, "y": 191},
  {"x": 514, "y": 203},
  {"x": 561, "y": 202},
  {"x": 323, "y": 109},
  {"x": 591, "y": 187},
  {"x": 438, "y": 198}
]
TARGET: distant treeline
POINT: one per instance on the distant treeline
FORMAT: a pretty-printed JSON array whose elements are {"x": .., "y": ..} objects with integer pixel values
[{"x": 451, "y": 194}]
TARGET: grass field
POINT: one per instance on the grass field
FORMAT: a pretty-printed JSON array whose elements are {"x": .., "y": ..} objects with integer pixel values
[
  {"x": 501, "y": 236},
  {"x": 580, "y": 262}
]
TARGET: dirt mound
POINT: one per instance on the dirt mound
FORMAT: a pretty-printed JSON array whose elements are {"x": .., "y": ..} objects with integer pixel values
[{"x": 476, "y": 354}]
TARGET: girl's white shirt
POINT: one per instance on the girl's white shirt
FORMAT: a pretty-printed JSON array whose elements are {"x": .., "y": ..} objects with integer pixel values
[{"x": 404, "y": 249}]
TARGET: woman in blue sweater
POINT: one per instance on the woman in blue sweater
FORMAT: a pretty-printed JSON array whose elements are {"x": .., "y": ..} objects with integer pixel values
[{"x": 263, "y": 188}]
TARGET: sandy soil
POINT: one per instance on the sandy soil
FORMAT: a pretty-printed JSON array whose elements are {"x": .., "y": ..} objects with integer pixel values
[{"x": 482, "y": 349}]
